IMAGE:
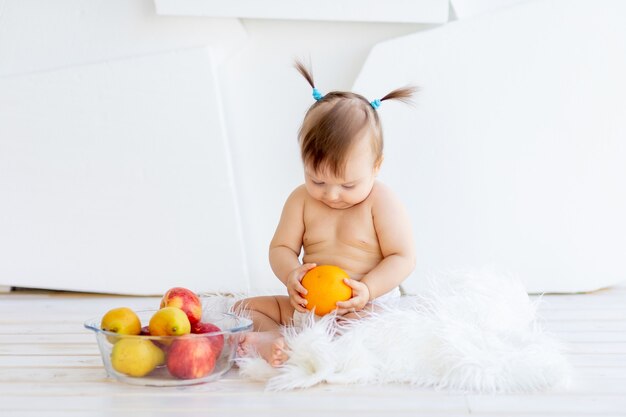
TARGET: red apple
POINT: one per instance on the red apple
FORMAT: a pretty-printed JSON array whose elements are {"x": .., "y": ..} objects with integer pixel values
[
  {"x": 191, "y": 358},
  {"x": 217, "y": 340},
  {"x": 186, "y": 300}
]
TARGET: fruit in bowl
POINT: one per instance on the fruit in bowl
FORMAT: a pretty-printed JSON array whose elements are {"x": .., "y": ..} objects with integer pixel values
[
  {"x": 217, "y": 339},
  {"x": 136, "y": 356},
  {"x": 171, "y": 360},
  {"x": 169, "y": 321},
  {"x": 191, "y": 358},
  {"x": 186, "y": 300},
  {"x": 121, "y": 320},
  {"x": 325, "y": 287}
]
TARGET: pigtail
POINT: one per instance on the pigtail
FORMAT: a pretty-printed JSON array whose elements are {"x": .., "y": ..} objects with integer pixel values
[
  {"x": 403, "y": 94},
  {"x": 305, "y": 72}
]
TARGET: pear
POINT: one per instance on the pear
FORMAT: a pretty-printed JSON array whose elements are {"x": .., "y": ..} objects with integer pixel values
[{"x": 136, "y": 356}]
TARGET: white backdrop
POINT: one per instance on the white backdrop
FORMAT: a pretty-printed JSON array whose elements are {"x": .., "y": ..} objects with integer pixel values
[
  {"x": 117, "y": 178},
  {"x": 514, "y": 158},
  {"x": 65, "y": 53}
]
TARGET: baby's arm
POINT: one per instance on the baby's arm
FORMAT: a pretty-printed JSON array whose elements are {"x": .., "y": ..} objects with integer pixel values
[
  {"x": 286, "y": 245},
  {"x": 395, "y": 237}
]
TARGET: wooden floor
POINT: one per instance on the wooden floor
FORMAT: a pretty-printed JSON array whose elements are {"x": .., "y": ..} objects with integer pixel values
[{"x": 50, "y": 366}]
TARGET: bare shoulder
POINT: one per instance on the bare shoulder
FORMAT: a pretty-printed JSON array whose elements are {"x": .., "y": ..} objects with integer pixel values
[
  {"x": 297, "y": 196},
  {"x": 383, "y": 196},
  {"x": 291, "y": 225},
  {"x": 293, "y": 208}
]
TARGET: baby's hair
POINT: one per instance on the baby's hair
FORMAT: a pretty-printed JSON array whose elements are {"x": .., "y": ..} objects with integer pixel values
[
  {"x": 306, "y": 73},
  {"x": 403, "y": 94},
  {"x": 335, "y": 121}
]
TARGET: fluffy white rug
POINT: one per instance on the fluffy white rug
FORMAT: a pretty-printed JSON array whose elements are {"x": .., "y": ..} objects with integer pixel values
[{"x": 474, "y": 332}]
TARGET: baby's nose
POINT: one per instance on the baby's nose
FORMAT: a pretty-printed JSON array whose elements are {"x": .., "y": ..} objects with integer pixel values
[{"x": 332, "y": 194}]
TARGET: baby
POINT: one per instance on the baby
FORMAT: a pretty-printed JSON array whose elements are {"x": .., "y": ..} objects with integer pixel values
[{"x": 342, "y": 215}]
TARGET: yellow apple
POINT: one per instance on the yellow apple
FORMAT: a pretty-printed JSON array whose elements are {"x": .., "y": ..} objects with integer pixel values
[
  {"x": 121, "y": 320},
  {"x": 169, "y": 321}
]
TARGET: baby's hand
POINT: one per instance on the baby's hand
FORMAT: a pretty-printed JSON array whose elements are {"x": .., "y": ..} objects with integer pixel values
[
  {"x": 360, "y": 298},
  {"x": 295, "y": 289}
]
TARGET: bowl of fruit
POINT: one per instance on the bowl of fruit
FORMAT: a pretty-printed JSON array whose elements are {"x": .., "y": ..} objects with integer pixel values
[{"x": 172, "y": 346}]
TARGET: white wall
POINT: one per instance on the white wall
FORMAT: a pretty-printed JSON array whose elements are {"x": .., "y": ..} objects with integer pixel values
[
  {"x": 259, "y": 103},
  {"x": 514, "y": 158},
  {"x": 60, "y": 228}
]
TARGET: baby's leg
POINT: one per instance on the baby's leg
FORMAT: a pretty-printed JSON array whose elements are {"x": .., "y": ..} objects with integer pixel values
[{"x": 268, "y": 313}]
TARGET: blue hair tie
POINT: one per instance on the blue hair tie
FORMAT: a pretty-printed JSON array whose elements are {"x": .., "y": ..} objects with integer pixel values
[
  {"x": 375, "y": 104},
  {"x": 316, "y": 94}
]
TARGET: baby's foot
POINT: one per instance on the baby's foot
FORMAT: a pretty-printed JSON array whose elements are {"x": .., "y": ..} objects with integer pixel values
[{"x": 270, "y": 345}]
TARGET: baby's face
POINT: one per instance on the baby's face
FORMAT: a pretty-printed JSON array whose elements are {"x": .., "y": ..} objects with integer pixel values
[{"x": 355, "y": 185}]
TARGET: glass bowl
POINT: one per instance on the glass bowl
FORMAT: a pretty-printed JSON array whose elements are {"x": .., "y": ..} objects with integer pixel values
[{"x": 171, "y": 360}]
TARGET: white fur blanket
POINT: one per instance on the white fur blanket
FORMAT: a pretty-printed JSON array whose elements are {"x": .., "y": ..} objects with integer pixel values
[{"x": 474, "y": 332}]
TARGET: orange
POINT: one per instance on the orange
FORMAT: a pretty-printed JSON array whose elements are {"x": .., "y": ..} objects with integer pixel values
[{"x": 325, "y": 286}]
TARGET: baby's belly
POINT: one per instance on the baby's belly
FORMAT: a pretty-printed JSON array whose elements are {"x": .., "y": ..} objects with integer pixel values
[{"x": 356, "y": 261}]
